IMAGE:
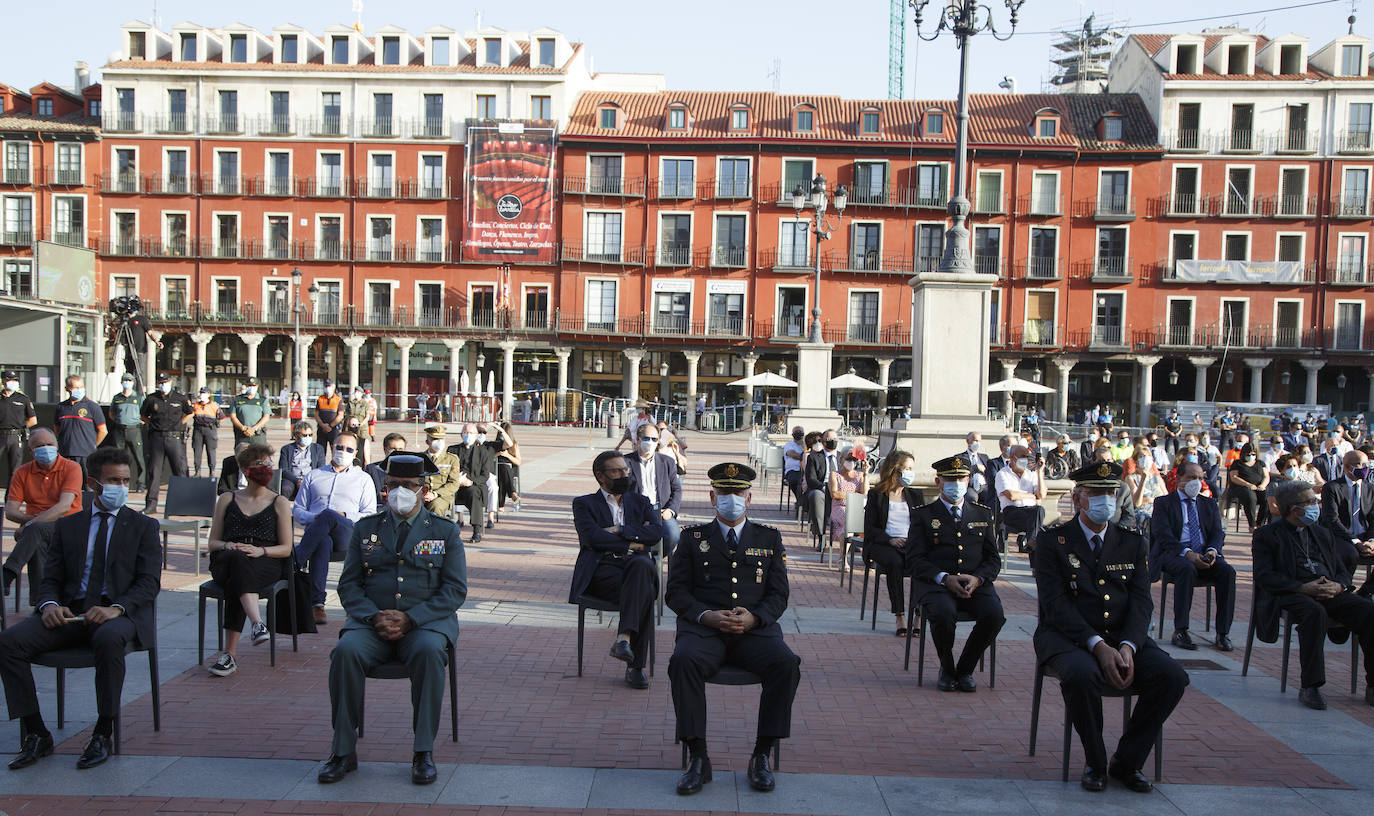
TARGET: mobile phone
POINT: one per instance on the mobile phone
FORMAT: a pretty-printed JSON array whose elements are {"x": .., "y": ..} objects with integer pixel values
[{"x": 73, "y": 620}]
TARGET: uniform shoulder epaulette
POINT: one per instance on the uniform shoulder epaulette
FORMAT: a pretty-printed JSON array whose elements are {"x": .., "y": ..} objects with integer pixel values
[
  {"x": 1057, "y": 525},
  {"x": 374, "y": 517},
  {"x": 976, "y": 504},
  {"x": 765, "y": 526},
  {"x": 1121, "y": 528}
]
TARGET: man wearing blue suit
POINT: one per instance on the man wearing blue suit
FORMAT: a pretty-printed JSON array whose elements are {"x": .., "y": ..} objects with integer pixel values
[
  {"x": 616, "y": 531},
  {"x": 1186, "y": 539},
  {"x": 654, "y": 475}
]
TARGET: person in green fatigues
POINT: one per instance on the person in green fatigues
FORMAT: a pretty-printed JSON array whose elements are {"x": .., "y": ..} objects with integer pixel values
[
  {"x": 404, "y": 577},
  {"x": 250, "y": 414},
  {"x": 126, "y": 429}
]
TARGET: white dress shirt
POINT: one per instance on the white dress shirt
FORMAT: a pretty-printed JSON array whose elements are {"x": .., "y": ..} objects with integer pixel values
[
  {"x": 1026, "y": 482},
  {"x": 789, "y": 464},
  {"x": 617, "y": 508},
  {"x": 648, "y": 478},
  {"x": 351, "y": 493}
]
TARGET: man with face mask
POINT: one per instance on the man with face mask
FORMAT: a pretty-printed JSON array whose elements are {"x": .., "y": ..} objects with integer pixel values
[
  {"x": 17, "y": 415},
  {"x": 641, "y": 417},
  {"x": 617, "y": 528},
  {"x": 167, "y": 412},
  {"x": 1087, "y": 449},
  {"x": 1295, "y": 436},
  {"x": 954, "y": 563},
  {"x": 206, "y": 416},
  {"x": 977, "y": 463},
  {"x": 330, "y": 501},
  {"x": 355, "y": 421},
  {"x": 391, "y": 443},
  {"x": 793, "y": 454},
  {"x": 1093, "y": 583},
  {"x": 1064, "y": 456},
  {"x": 300, "y": 457},
  {"x": 1186, "y": 539},
  {"x": 1300, "y": 567},
  {"x": 1348, "y": 508},
  {"x": 404, "y": 577},
  {"x": 104, "y": 573},
  {"x": 1020, "y": 489},
  {"x": 654, "y": 476},
  {"x": 476, "y": 463},
  {"x": 329, "y": 413},
  {"x": 80, "y": 423},
  {"x": 41, "y": 492},
  {"x": 1173, "y": 427},
  {"x": 444, "y": 485},
  {"x": 249, "y": 414},
  {"x": 728, "y": 585},
  {"x": 820, "y": 463},
  {"x": 126, "y": 427}
]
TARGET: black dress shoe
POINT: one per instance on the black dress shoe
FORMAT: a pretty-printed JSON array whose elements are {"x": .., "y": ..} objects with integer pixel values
[
  {"x": 1312, "y": 698},
  {"x": 966, "y": 683},
  {"x": 636, "y": 678},
  {"x": 1183, "y": 640},
  {"x": 97, "y": 751},
  {"x": 335, "y": 767},
  {"x": 621, "y": 651},
  {"x": 476, "y": 537},
  {"x": 1223, "y": 643},
  {"x": 760, "y": 775},
  {"x": 422, "y": 770},
  {"x": 1132, "y": 779},
  {"x": 698, "y": 773},
  {"x": 1093, "y": 780},
  {"x": 1338, "y": 634},
  {"x": 34, "y": 748},
  {"x": 946, "y": 682},
  {"x": 1369, "y": 695}
]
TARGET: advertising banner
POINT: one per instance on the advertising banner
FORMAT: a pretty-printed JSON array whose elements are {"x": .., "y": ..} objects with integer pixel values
[
  {"x": 1239, "y": 271},
  {"x": 510, "y": 194}
]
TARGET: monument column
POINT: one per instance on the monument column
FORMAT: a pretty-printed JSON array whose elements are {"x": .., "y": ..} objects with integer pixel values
[{"x": 1201, "y": 364}]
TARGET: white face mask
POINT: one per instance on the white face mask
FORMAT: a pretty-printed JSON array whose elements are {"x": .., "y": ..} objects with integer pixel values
[
  {"x": 647, "y": 446},
  {"x": 401, "y": 500},
  {"x": 1022, "y": 463},
  {"x": 305, "y": 441},
  {"x": 357, "y": 395},
  {"x": 342, "y": 458},
  {"x": 328, "y": 390},
  {"x": 127, "y": 386},
  {"x": 1192, "y": 488},
  {"x": 974, "y": 446},
  {"x": 204, "y": 398},
  {"x": 467, "y": 439},
  {"x": 481, "y": 437},
  {"x": 436, "y": 445},
  {"x": 11, "y": 385},
  {"x": 251, "y": 391},
  {"x": 908, "y": 477},
  {"x": 1100, "y": 508},
  {"x": 165, "y": 388}
]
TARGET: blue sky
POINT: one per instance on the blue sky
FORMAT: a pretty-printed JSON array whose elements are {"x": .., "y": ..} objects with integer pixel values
[{"x": 823, "y": 47}]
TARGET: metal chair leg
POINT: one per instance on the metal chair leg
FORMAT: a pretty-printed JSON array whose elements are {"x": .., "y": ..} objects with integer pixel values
[
  {"x": 1035, "y": 706},
  {"x": 1287, "y": 641},
  {"x": 581, "y": 631}
]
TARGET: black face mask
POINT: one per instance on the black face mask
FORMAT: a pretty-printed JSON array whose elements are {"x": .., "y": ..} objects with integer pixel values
[
  {"x": 831, "y": 443},
  {"x": 618, "y": 486},
  {"x": 798, "y": 436}
]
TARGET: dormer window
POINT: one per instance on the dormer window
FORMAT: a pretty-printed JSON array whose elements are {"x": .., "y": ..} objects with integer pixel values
[
  {"x": 439, "y": 51},
  {"x": 546, "y": 53},
  {"x": 1238, "y": 59},
  {"x": 391, "y": 50},
  {"x": 43, "y": 107},
  {"x": 290, "y": 48},
  {"x": 677, "y": 118},
  {"x": 869, "y": 123},
  {"x": 491, "y": 50},
  {"x": 1290, "y": 60},
  {"x": 338, "y": 50},
  {"x": 93, "y": 107},
  {"x": 188, "y": 47},
  {"x": 138, "y": 45},
  {"x": 1352, "y": 60},
  {"x": 934, "y": 123},
  {"x": 1046, "y": 126},
  {"x": 238, "y": 47},
  {"x": 1112, "y": 127},
  {"x": 739, "y": 118},
  {"x": 805, "y": 120},
  {"x": 606, "y": 117},
  {"x": 1185, "y": 59}
]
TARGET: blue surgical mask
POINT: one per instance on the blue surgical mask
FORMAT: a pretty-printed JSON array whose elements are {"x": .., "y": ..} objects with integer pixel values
[
  {"x": 1192, "y": 457},
  {"x": 954, "y": 491},
  {"x": 128, "y": 386},
  {"x": 908, "y": 478},
  {"x": 1100, "y": 508},
  {"x": 45, "y": 455},
  {"x": 1290, "y": 473},
  {"x": 730, "y": 506},
  {"x": 1310, "y": 514},
  {"x": 78, "y": 394},
  {"x": 113, "y": 497},
  {"x": 481, "y": 437},
  {"x": 467, "y": 439}
]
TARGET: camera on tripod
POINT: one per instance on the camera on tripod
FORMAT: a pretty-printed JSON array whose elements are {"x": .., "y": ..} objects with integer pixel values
[{"x": 124, "y": 305}]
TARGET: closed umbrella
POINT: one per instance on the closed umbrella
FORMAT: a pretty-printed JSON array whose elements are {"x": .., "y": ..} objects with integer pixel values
[{"x": 491, "y": 393}]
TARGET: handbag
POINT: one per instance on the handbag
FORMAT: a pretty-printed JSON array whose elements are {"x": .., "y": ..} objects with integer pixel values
[{"x": 304, "y": 622}]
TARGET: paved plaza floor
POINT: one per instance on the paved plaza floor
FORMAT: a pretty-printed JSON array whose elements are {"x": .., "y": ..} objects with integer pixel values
[{"x": 534, "y": 738}]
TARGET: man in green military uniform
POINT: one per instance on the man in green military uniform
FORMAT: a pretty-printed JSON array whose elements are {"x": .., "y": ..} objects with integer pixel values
[
  {"x": 126, "y": 428},
  {"x": 444, "y": 484},
  {"x": 404, "y": 577},
  {"x": 250, "y": 414},
  {"x": 355, "y": 421}
]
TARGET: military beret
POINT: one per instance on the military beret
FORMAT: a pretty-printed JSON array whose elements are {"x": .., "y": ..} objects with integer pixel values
[
  {"x": 951, "y": 467},
  {"x": 731, "y": 476},
  {"x": 1098, "y": 475},
  {"x": 409, "y": 465}
]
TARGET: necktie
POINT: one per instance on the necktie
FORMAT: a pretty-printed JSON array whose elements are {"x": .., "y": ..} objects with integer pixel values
[
  {"x": 731, "y": 541},
  {"x": 95, "y": 583},
  {"x": 1097, "y": 544},
  {"x": 1194, "y": 528},
  {"x": 955, "y": 512},
  {"x": 403, "y": 531},
  {"x": 1356, "y": 523}
]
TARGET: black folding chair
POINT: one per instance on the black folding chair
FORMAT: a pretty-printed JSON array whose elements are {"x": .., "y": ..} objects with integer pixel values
[
  {"x": 396, "y": 670},
  {"x": 210, "y": 589},
  {"x": 1043, "y": 670},
  {"x": 728, "y": 675}
]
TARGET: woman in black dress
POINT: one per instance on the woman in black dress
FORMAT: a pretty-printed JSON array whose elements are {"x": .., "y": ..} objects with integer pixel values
[
  {"x": 1247, "y": 480},
  {"x": 250, "y": 548},
  {"x": 887, "y": 517}
]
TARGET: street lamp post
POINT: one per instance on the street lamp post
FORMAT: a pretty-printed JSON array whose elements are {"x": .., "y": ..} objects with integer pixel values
[
  {"x": 822, "y": 229},
  {"x": 297, "y": 384}
]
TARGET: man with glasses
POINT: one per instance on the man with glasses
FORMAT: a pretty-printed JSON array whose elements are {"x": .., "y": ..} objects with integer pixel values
[
  {"x": 404, "y": 577},
  {"x": 329, "y": 502}
]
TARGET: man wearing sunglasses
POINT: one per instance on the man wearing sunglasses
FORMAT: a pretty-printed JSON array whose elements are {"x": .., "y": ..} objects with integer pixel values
[{"x": 330, "y": 500}]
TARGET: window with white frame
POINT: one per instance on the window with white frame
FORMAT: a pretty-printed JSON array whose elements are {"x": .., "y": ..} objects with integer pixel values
[
  {"x": 600, "y": 305},
  {"x": 675, "y": 239},
  {"x": 987, "y": 250},
  {"x": 794, "y": 244},
  {"x": 277, "y": 229},
  {"x": 796, "y": 173},
  {"x": 1108, "y": 318},
  {"x": 486, "y": 106},
  {"x": 1355, "y": 191},
  {"x": 1352, "y": 60},
  {"x": 989, "y": 191},
  {"x": 732, "y": 178},
  {"x": 432, "y": 240},
  {"x": 174, "y": 234},
  {"x": 604, "y": 174},
  {"x": 1234, "y": 328},
  {"x": 870, "y": 183},
  {"x": 1235, "y": 246},
  {"x": 434, "y": 114},
  {"x": 866, "y": 243},
  {"x": 603, "y": 236},
  {"x": 330, "y": 182},
  {"x": 226, "y": 299},
  {"x": 1287, "y": 323},
  {"x": 1044, "y": 253},
  {"x": 1349, "y": 324},
  {"x": 863, "y": 317},
  {"x": 930, "y": 246},
  {"x": 536, "y": 307},
  {"x": 932, "y": 187},
  {"x": 1293, "y": 191},
  {"x": 18, "y": 278},
  {"x": 227, "y": 235},
  {"x": 1180, "y": 326},
  {"x": 672, "y": 312},
  {"x": 329, "y": 237},
  {"x": 541, "y": 107},
  {"x": 176, "y": 174},
  {"x": 1350, "y": 258},
  {"x": 725, "y": 313},
  {"x": 69, "y": 163},
  {"x": 329, "y": 301},
  {"x": 678, "y": 178},
  {"x": 1040, "y": 318},
  {"x": 380, "y": 237},
  {"x": 379, "y": 302},
  {"x": 432, "y": 177},
  {"x": 1357, "y": 126},
  {"x": 69, "y": 220},
  {"x": 278, "y": 173},
  {"x": 731, "y": 245},
  {"x": 18, "y": 220},
  {"x": 17, "y": 166},
  {"x": 331, "y": 113},
  {"x": 381, "y": 175},
  {"x": 227, "y": 172},
  {"x": 431, "y": 303},
  {"x": 1045, "y": 194},
  {"x": 126, "y": 170},
  {"x": 176, "y": 298}
]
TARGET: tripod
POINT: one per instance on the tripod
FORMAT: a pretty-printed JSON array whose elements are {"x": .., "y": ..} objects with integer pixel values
[{"x": 124, "y": 336}]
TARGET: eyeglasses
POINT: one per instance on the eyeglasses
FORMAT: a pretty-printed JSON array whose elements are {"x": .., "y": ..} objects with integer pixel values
[
  {"x": 406, "y": 485},
  {"x": 346, "y": 450}
]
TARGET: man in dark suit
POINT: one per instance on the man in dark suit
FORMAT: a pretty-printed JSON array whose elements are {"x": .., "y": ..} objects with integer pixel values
[
  {"x": 392, "y": 443},
  {"x": 1088, "y": 447},
  {"x": 100, "y": 578},
  {"x": 1094, "y": 590},
  {"x": 300, "y": 457},
  {"x": 1348, "y": 508},
  {"x": 1299, "y": 566},
  {"x": 476, "y": 463},
  {"x": 404, "y": 577},
  {"x": 819, "y": 465},
  {"x": 977, "y": 463},
  {"x": 1329, "y": 461},
  {"x": 953, "y": 550},
  {"x": 728, "y": 585},
  {"x": 616, "y": 531},
  {"x": 1186, "y": 537},
  {"x": 1295, "y": 437},
  {"x": 654, "y": 476}
]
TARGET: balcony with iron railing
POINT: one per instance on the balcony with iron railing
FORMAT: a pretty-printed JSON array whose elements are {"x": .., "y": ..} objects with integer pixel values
[
  {"x": 626, "y": 187},
  {"x": 872, "y": 196},
  {"x": 122, "y": 122},
  {"x": 871, "y": 261},
  {"x": 326, "y": 125},
  {"x": 1349, "y": 273},
  {"x": 671, "y": 324},
  {"x": 159, "y": 184},
  {"x": 379, "y": 127},
  {"x": 1354, "y": 141},
  {"x": 18, "y": 175},
  {"x": 1046, "y": 268},
  {"x": 1238, "y": 205},
  {"x": 603, "y": 253},
  {"x": 732, "y": 189},
  {"x": 1345, "y": 338},
  {"x": 728, "y": 256},
  {"x": 271, "y": 186},
  {"x": 223, "y": 185},
  {"x": 180, "y": 122},
  {"x": 988, "y": 265},
  {"x": 1040, "y": 333},
  {"x": 1109, "y": 269},
  {"x": 327, "y": 187},
  {"x": 1181, "y": 204},
  {"x": 793, "y": 260},
  {"x": 1112, "y": 207},
  {"x": 116, "y": 182},
  {"x": 929, "y": 198},
  {"x": 674, "y": 189},
  {"x": 72, "y": 238},
  {"x": 1289, "y": 206},
  {"x": 1351, "y": 206},
  {"x": 1242, "y": 140},
  {"x": 926, "y": 263},
  {"x": 64, "y": 177},
  {"x": 1039, "y": 206},
  {"x": 676, "y": 256},
  {"x": 988, "y": 202},
  {"x": 893, "y": 334},
  {"x": 1296, "y": 141},
  {"x": 225, "y": 124},
  {"x": 16, "y": 236},
  {"x": 1188, "y": 140}
]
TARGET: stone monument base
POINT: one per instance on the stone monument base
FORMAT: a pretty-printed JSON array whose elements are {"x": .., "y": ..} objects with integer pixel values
[
  {"x": 932, "y": 439},
  {"x": 813, "y": 419}
]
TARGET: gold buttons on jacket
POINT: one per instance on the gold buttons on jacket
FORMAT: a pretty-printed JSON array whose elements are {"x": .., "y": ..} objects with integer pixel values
[
  {"x": 734, "y": 580},
  {"x": 400, "y": 579},
  {"x": 1106, "y": 597},
  {"x": 734, "y": 595}
]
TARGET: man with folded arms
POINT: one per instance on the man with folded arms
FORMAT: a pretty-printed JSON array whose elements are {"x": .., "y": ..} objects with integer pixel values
[
  {"x": 329, "y": 502},
  {"x": 1187, "y": 535}
]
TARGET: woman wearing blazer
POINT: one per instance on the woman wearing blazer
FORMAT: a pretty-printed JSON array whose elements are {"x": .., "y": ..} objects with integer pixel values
[{"x": 887, "y": 518}]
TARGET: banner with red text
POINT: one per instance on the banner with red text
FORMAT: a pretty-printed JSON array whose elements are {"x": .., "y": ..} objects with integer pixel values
[{"x": 509, "y": 194}]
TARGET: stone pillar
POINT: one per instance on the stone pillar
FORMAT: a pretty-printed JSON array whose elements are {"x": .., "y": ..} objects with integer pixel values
[
  {"x": 693, "y": 362},
  {"x": 1008, "y": 371},
  {"x": 1065, "y": 366},
  {"x": 1369, "y": 372},
  {"x": 1201, "y": 364},
  {"x": 633, "y": 358},
  {"x": 750, "y": 360},
  {"x": 1147, "y": 363},
  {"x": 884, "y": 370},
  {"x": 455, "y": 351},
  {"x": 253, "y": 340},
  {"x": 150, "y": 362},
  {"x": 299, "y": 375},
  {"x": 563, "y": 353},
  {"x": 1257, "y": 366},
  {"x": 1313, "y": 366},
  {"x": 201, "y": 339},
  {"x": 507, "y": 376},
  {"x": 354, "y": 344},
  {"x": 405, "y": 344}
]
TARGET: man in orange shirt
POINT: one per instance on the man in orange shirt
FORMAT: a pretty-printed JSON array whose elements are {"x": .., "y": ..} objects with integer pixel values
[
  {"x": 329, "y": 415},
  {"x": 41, "y": 492}
]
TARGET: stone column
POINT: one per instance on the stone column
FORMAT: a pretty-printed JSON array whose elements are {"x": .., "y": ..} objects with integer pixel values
[
  {"x": 1313, "y": 366},
  {"x": 1201, "y": 364},
  {"x": 455, "y": 351},
  {"x": 150, "y": 362},
  {"x": 1257, "y": 366},
  {"x": 1147, "y": 363},
  {"x": 633, "y": 358},
  {"x": 299, "y": 375},
  {"x": 354, "y": 343},
  {"x": 884, "y": 369},
  {"x": 253, "y": 340},
  {"x": 1065, "y": 366},
  {"x": 507, "y": 376},
  {"x": 563, "y": 353},
  {"x": 201, "y": 339},
  {"x": 693, "y": 362},
  {"x": 750, "y": 360},
  {"x": 1008, "y": 371},
  {"x": 405, "y": 344}
]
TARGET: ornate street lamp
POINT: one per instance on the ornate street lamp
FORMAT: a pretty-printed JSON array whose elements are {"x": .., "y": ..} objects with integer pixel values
[{"x": 821, "y": 228}]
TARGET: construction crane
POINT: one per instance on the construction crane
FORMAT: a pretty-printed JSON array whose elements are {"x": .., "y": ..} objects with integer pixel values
[{"x": 896, "y": 49}]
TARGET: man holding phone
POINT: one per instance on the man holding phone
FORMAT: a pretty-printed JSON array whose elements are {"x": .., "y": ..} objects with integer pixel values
[{"x": 1187, "y": 535}]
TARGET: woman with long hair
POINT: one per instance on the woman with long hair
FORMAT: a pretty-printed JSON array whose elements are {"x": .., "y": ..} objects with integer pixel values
[{"x": 887, "y": 520}]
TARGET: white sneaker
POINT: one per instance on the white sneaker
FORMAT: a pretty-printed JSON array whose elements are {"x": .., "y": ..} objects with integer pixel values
[
  {"x": 259, "y": 634},
  {"x": 224, "y": 666}
]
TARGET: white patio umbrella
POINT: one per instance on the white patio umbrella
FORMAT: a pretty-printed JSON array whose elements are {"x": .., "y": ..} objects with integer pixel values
[
  {"x": 766, "y": 379},
  {"x": 900, "y": 384},
  {"x": 1016, "y": 385},
  {"x": 849, "y": 381}
]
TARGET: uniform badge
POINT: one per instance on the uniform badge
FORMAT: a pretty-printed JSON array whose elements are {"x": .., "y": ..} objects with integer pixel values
[
  {"x": 430, "y": 546},
  {"x": 82, "y": 412},
  {"x": 704, "y": 547},
  {"x": 758, "y": 575},
  {"x": 1104, "y": 470},
  {"x": 934, "y": 524},
  {"x": 1074, "y": 562},
  {"x": 731, "y": 470}
]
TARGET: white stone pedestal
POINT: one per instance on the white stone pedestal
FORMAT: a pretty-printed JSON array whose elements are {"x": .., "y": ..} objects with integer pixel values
[{"x": 813, "y": 411}]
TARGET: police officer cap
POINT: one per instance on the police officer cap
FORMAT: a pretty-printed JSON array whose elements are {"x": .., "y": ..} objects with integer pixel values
[
  {"x": 328, "y": 383},
  {"x": 436, "y": 431},
  {"x": 162, "y": 377},
  {"x": 10, "y": 374},
  {"x": 251, "y": 381},
  {"x": 951, "y": 467},
  {"x": 731, "y": 476},
  {"x": 409, "y": 465},
  {"x": 1098, "y": 475}
]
